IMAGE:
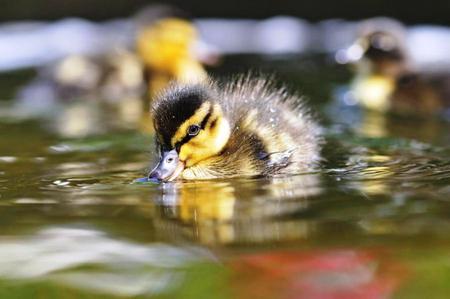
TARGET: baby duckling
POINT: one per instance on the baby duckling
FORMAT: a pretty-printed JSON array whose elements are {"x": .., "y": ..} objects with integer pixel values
[
  {"x": 243, "y": 128},
  {"x": 166, "y": 48},
  {"x": 386, "y": 81}
]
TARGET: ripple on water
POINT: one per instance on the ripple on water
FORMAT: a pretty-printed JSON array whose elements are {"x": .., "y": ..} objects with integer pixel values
[{"x": 72, "y": 217}]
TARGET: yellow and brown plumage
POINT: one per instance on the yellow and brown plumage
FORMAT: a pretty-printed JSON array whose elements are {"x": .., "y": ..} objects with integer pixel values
[
  {"x": 386, "y": 80},
  {"x": 166, "y": 48},
  {"x": 242, "y": 128}
]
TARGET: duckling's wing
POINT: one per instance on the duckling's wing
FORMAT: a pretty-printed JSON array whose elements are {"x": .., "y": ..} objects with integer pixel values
[{"x": 278, "y": 160}]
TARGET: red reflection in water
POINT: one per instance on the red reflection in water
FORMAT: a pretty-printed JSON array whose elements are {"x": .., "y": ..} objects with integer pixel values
[{"x": 336, "y": 274}]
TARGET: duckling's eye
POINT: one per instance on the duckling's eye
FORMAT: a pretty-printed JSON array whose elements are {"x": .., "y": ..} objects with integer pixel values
[{"x": 193, "y": 130}]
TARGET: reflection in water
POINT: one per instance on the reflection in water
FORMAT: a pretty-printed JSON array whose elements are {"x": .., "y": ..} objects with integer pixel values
[
  {"x": 376, "y": 190},
  {"x": 231, "y": 212},
  {"x": 89, "y": 259},
  {"x": 394, "y": 171},
  {"x": 343, "y": 110},
  {"x": 378, "y": 125},
  {"x": 374, "y": 125},
  {"x": 370, "y": 172}
]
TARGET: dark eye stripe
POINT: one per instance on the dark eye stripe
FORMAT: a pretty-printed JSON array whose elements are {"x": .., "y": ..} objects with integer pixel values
[
  {"x": 202, "y": 126},
  {"x": 205, "y": 120},
  {"x": 182, "y": 141},
  {"x": 213, "y": 124},
  {"x": 185, "y": 139}
]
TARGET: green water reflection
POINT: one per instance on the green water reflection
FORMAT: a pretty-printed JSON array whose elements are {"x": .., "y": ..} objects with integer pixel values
[{"x": 373, "y": 223}]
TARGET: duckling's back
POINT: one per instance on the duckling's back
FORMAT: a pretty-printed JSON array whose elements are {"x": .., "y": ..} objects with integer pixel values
[{"x": 275, "y": 124}]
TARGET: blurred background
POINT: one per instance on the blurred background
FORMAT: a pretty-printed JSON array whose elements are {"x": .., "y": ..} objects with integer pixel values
[
  {"x": 76, "y": 82},
  {"x": 406, "y": 11}
]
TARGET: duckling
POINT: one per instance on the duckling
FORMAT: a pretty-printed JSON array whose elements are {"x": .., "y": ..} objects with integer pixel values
[
  {"x": 166, "y": 49},
  {"x": 243, "y": 128},
  {"x": 163, "y": 49},
  {"x": 109, "y": 77},
  {"x": 386, "y": 80}
]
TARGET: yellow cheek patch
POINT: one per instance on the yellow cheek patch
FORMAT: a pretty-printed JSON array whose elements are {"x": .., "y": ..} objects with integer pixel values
[
  {"x": 195, "y": 119},
  {"x": 209, "y": 142}
]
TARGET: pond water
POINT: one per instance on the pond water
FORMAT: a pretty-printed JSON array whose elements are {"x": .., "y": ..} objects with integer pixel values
[{"x": 374, "y": 222}]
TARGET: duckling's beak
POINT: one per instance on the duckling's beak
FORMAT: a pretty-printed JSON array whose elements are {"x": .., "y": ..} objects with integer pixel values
[{"x": 168, "y": 168}]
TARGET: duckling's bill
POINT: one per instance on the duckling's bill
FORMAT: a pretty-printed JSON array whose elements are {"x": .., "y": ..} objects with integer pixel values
[{"x": 168, "y": 168}]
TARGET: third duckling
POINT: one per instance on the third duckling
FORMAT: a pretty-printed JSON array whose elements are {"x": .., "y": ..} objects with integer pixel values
[{"x": 387, "y": 81}]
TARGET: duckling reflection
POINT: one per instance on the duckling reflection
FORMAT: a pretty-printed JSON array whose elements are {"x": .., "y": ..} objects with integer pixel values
[
  {"x": 378, "y": 125},
  {"x": 373, "y": 124},
  {"x": 248, "y": 211},
  {"x": 371, "y": 174},
  {"x": 386, "y": 78}
]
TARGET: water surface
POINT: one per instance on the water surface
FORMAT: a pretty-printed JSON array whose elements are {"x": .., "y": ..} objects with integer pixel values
[{"x": 372, "y": 223}]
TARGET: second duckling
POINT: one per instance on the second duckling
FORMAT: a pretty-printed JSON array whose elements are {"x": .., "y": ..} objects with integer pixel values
[
  {"x": 386, "y": 80},
  {"x": 166, "y": 50},
  {"x": 243, "y": 128}
]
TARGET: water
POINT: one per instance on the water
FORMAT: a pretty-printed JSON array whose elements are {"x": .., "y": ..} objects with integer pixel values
[{"x": 372, "y": 223}]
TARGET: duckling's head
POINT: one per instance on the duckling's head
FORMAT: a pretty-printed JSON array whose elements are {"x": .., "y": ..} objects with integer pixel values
[
  {"x": 190, "y": 128},
  {"x": 382, "y": 45},
  {"x": 166, "y": 43},
  {"x": 168, "y": 49},
  {"x": 378, "y": 52}
]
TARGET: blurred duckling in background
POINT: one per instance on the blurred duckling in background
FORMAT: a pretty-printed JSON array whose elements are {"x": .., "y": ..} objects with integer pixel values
[
  {"x": 75, "y": 90},
  {"x": 167, "y": 50},
  {"x": 110, "y": 77},
  {"x": 386, "y": 80},
  {"x": 243, "y": 128}
]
